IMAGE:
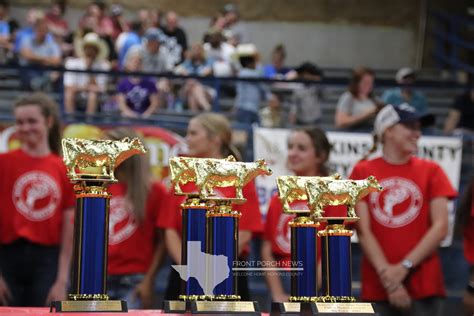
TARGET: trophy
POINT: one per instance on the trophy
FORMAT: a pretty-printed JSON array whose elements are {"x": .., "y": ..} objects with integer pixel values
[
  {"x": 210, "y": 223},
  {"x": 90, "y": 165},
  {"x": 303, "y": 243},
  {"x": 336, "y": 293}
]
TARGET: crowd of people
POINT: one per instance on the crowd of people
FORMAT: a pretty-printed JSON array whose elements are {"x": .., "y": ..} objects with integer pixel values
[
  {"x": 154, "y": 42},
  {"x": 401, "y": 270}
]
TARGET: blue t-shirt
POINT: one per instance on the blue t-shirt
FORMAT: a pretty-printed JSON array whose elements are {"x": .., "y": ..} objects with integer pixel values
[
  {"x": 132, "y": 39},
  {"x": 394, "y": 97},
  {"x": 4, "y": 28},
  {"x": 196, "y": 69},
  {"x": 269, "y": 71},
  {"x": 137, "y": 95}
]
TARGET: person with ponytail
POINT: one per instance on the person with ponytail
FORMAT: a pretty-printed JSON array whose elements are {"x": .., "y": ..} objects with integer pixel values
[
  {"x": 136, "y": 247},
  {"x": 308, "y": 154},
  {"x": 36, "y": 210},
  {"x": 401, "y": 227},
  {"x": 209, "y": 135}
]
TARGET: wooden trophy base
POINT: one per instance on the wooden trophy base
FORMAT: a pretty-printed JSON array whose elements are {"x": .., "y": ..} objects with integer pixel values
[
  {"x": 213, "y": 307},
  {"x": 338, "y": 309},
  {"x": 89, "y": 306}
]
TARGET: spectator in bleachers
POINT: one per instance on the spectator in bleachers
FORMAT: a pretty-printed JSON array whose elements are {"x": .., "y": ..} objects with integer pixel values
[
  {"x": 272, "y": 114},
  {"x": 156, "y": 58},
  {"x": 83, "y": 90},
  {"x": 126, "y": 40},
  {"x": 233, "y": 31},
  {"x": 97, "y": 20},
  {"x": 220, "y": 53},
  {"x": 136, "y": 247},
  {"x": 37, "y": 209},
  {"x": 250, "y": 95},
  {"x": 5, "y": 33},
  {"x": 119, "y": 24},
  {"x": 39, "y": 51},
  {"x": 176, "y": 41},
  {"x": 196, "y": 95},
  {"x": 406, "y": 93},
  {"x": 357, "y": 107},
  {"x": 401, "y": 228},
  {"x": 305, "y": 104},
  {"x": 27, "y": 31},
  {"x": 59, "y": 27},
  {"x": 137, "y": 95},
  {"x": 150, "y": 18},
  {"x": 460, "y": 119},
  {"x": 277, "y": 69}
]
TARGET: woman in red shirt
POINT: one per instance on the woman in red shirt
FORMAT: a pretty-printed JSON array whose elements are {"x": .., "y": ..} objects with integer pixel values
[
  {"x": 209, "y": 135},
  {"x": 36, "y": 210},
  {"x": 308, "y": 153},
  {"x": 401, "y": 227},
  {"x": 134, "y": 207}
]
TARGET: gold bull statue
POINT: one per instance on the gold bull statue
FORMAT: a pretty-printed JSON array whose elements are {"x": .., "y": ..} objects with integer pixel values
[
  {"x": 212, "y": 173},
  {"x": 182, "y": 170},
  {"x": 293, "y": 188},
  {"x": 105, "y": 154},
  {"x": 339, "y": 192}
]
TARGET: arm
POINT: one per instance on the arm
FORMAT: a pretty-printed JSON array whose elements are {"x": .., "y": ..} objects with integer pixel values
[
  {"x": 59, "y": 288},
  {"x": 273, "y": 280},
  {"x": 345, "y": 120},
  {"x": 451, "y": 121},
  {"x": 144, "y": 290},
  {"x": 244, "y": 238},
  {"x": 154, "y": 105},
  {"x": 5, "y": 294},
  {"x": 124, "y": 109},
  {"x": 396, "y": 273},
  {"x": 173, "y": 244}
]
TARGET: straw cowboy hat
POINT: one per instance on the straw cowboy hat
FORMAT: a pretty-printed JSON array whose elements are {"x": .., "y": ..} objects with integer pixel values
[{"x": 94, "y": 40}]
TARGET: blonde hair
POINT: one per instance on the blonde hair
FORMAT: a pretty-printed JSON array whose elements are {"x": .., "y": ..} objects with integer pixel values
[
  {"x": 218, "y": 125},
  {"x": 136, "y": 172}
]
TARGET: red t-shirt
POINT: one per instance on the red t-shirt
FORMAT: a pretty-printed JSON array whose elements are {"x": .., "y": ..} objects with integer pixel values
[
  {"x": 251, "y": 219},
  {"x": 278, "y": 232},
  {"x": 400, "y": 217},
  {"x": 131, "y": 245},
  {"x": 35, "y": 191},
  {"x": 469, "y": 236}
]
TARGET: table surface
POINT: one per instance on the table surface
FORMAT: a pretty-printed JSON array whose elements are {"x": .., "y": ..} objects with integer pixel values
[{"x": 22, "y": 311}]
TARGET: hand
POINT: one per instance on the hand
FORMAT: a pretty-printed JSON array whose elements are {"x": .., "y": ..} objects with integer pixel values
[
  {"x": 57, "y": 292},
  {"x": 280, "y": 297},
  {"x": 5, "y": 294},
  {"x": 392, "y": 276},
  {"x": 400, "y": 298},
  {"x": 130, "y": 114},
  {"x": 144, "y": 292},
  {"x": 468, "y": 300}
]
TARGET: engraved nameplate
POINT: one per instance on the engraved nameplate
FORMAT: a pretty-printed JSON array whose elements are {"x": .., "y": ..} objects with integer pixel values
[{"x": 349, "y": 308}]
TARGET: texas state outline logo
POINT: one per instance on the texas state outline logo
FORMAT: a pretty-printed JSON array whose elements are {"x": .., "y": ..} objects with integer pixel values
[
  {"x": 398, "y": 204},
  {"x": 36, "y": 195}
]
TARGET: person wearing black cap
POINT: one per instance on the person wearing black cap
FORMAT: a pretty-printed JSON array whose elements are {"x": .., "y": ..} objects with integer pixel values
[
  {"x": 401, "y": 227},
  {"x": 305, "y": 105}
]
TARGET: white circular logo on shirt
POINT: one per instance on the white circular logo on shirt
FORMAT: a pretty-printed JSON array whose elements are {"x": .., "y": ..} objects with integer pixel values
[
  {"x": 398, "y": 204},
  {"x": 121, "y": 221},
  {"x": 283, "y": 232},
  {"x": 36, "y": 195}
]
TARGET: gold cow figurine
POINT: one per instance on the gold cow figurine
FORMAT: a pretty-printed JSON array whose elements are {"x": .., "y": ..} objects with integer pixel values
[
  {"x": 215, "y": 173},
  {"x": 339, "y": 192},
  {"x": 293, "y": 188},
  {"x": 105, "y": 154},
  {"x": 182, "y": 170}
]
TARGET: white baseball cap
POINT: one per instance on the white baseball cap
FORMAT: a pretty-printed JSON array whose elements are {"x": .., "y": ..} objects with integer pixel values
[{"x": 390, "y": 115}]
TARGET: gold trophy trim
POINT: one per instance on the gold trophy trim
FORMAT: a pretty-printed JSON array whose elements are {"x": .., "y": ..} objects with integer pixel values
[{"x": 303, "y": 221}]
